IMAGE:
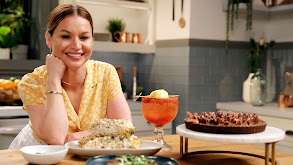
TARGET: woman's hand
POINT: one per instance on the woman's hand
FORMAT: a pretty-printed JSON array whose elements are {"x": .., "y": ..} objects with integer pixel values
[
  {"x": 55, "y": 66},
  {"x": 76, "y": 136}
]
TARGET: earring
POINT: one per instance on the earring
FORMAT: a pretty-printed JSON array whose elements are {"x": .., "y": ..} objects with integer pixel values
[{"x": 50, "y": 50}]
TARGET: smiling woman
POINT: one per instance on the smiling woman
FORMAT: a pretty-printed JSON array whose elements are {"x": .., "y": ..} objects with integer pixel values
[{"x": 70, "y": 91}]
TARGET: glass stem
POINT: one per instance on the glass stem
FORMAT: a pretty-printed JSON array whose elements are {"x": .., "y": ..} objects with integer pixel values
[{"x": 159, "y": 132}]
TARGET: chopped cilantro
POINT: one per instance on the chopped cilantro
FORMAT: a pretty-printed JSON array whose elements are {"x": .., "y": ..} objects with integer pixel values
[{"x": 134, "y": 160}]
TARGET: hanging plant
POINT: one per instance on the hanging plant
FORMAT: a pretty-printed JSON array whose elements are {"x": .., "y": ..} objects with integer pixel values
[{"x": 232, "y": 13}]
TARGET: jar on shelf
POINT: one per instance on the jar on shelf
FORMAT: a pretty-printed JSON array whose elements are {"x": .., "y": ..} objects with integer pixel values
[
  {"x": 257, "y": 89},
  {"x": 288, "y": 83}
]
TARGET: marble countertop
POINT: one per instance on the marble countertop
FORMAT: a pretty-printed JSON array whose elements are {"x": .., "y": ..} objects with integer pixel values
[
  {"x": 269, "y": 109},
  {"x": 13, "y": 111}
]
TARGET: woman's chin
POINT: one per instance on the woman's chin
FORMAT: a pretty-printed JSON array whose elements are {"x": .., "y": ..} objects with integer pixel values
[{"x": 75, "y": 65}]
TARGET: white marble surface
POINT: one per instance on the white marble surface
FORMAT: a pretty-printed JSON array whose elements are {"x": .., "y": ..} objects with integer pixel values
[
  {"x": 271, "y": 134},
  {"x": 269, "y": 109}
]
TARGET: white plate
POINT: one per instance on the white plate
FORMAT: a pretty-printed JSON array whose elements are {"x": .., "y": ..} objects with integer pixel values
[{"x": 147, "y": 147}]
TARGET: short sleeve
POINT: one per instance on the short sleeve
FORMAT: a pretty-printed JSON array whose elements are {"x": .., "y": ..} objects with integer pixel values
[
  {"x": 113, "y": 83},
  {"x": 31, "y": 90}
]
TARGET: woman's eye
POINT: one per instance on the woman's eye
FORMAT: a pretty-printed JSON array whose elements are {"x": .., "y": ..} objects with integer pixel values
[
  {"x": 65, "y": 36},
  {"x": 84, "y": 37}
]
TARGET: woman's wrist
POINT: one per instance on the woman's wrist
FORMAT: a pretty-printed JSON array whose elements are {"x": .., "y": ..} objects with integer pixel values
[{"x": 53, "y": 84}]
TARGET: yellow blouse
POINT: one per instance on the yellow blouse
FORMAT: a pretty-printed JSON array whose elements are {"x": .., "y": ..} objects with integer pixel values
[{"x": 102, "y": 84}]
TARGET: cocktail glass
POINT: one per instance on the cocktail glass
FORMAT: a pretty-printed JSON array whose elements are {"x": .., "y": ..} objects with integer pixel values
[{"x": 159, "y": 112}]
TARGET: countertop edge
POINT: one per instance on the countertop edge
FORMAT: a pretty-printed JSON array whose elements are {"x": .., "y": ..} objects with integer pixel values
[{"x": 269, "y": 109}]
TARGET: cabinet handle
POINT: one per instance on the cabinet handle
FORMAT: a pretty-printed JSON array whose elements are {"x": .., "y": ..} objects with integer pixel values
[{"x": 289, "y": 132}]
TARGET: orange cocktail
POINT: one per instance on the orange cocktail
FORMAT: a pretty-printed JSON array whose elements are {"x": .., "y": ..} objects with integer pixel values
[{"x": 159, "y": 111}]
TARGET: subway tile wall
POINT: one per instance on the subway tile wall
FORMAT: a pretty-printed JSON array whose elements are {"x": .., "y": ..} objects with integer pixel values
[
  {"x": 127, "y": 61},
  {"x": 171, "y": 72}
]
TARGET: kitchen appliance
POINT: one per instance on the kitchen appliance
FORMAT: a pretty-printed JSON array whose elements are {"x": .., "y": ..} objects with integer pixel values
[{"x": 12, "y": 120}]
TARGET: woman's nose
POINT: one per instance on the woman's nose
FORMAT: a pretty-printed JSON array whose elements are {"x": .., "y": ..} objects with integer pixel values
[{"x": 76, "y": 44}]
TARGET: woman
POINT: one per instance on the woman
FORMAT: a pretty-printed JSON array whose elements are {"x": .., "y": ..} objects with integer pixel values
[{"x": 67, "y": 94}]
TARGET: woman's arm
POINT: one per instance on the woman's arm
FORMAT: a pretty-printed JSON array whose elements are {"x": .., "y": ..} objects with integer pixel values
[
  {"x": 50, "y": 121},
  {"x": 51, "y": 128},
  {"x": 118, "y": 108}
]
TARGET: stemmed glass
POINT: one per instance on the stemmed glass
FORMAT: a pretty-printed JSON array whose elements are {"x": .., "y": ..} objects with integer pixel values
[{"x": 159, "y": 112}]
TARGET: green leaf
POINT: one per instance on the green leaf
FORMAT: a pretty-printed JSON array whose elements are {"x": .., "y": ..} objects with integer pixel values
[
  {"x": 115, "y": 24},
  {"x": 4, "y": 30}
]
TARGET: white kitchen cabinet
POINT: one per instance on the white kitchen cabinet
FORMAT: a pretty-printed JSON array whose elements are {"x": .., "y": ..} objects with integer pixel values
[
  {"x": 142, "y": 127},
  {"x": 12, "y": 120},
  {"x": 285, "y": 124},
  {"x": 274, "y": 116}
]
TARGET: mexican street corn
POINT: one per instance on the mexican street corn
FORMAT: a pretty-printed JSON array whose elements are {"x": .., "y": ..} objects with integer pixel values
[
  {"x": 111, "y": 134},
  {"x": 112, "y": 127}
]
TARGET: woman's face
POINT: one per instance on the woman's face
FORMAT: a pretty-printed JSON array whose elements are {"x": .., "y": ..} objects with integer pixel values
[{"x": 72, "y": 41}]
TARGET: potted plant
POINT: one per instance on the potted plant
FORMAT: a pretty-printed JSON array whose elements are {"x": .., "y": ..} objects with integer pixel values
[
  {"x": 232, "y": 13},
  {"x": 256, "y": 51},
  {"x": 140, "y": 90},
  {"x": 4, "y": 35},
  {"x": 13, "y": 16},
  {"x": 115, "y": 25}
]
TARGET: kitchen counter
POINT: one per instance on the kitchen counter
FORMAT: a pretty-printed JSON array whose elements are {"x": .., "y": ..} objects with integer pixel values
[
  {"x": 14, "y": 157},
  {"x": 269, "y": 109},
  {"x": 13, "y": 111}
]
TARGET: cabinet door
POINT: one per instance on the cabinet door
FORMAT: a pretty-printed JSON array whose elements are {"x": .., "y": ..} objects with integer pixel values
[{"x": 286, "y": 144}]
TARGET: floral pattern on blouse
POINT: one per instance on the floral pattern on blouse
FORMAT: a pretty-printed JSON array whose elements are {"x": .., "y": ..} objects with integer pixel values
[{"x": 102, "y": 85}]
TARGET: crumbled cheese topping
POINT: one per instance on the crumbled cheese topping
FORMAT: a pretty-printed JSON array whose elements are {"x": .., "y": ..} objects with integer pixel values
[
  {"x": 113, "y": 142},
  {"x": 112, "y": 127}
]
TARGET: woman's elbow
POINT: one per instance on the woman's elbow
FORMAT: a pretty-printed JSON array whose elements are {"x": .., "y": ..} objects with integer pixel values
[
  {"x": 56, "y": 141},
  {"x": 52, "y": 139}
]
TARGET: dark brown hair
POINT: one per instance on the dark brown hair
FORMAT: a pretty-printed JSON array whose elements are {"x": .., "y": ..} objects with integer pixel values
[{"x": 61, "y": 11}]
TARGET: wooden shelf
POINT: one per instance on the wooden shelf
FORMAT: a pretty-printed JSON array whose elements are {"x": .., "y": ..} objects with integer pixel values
[
  {"x": 121, "y": 3},
  {"x": 123, "y": 47},
  {"x": 283, "y": 9},
  {"x": 19, "y": 66}
]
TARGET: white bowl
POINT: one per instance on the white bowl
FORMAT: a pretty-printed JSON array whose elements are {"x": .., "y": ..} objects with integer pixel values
[{"x": 44, "y": 154}]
